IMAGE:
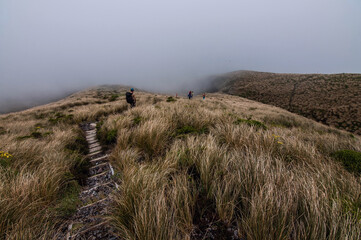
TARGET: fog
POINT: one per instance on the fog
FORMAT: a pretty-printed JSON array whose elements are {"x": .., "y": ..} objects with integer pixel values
[{"x": 49, "y": 48}]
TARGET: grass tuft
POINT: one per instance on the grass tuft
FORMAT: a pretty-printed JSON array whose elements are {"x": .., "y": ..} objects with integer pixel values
[
  {"x": 78, "y": 144},
  {"x": 250, "y": 122},
  {"x": 350, "y": 159},
  {"x": 68, "y": 203},
  {"x": 171, "y": 99}
]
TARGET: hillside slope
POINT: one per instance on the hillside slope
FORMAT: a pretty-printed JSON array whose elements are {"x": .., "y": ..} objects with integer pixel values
[
  {"x": 220, "y": 168},
  {"x": 333, "y": 99}
]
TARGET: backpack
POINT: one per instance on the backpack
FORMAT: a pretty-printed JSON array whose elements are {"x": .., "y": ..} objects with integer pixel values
[{"x": 129, "y": 97}]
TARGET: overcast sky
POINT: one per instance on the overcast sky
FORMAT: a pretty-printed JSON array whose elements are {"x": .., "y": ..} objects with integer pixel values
[{"x": 50, "y": 46}]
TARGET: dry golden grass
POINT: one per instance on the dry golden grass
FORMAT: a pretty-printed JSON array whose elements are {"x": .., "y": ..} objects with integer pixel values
[
  {"x": 36, "y": 181},
  {"x": 178, "y": 162},
  {"x": 279, "y": 183}
]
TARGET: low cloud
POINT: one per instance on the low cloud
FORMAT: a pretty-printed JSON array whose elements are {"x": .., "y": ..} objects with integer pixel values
[{"x": 48, "y": 48}]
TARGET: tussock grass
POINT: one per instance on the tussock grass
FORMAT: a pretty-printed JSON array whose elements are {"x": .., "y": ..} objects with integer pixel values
[
  {"x": 273, "y": 182},
  {"x": 39, "y": 184},
  {"x": 183, "y": 167}
]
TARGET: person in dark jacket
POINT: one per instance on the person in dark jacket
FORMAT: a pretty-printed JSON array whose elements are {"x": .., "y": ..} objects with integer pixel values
[
  {"x": 129, "y": 96},
  {"x": 190, "y": 94}
]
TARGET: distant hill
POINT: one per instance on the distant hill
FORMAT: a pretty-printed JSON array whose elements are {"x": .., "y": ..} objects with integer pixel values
[{"x": 333, "y": 99}]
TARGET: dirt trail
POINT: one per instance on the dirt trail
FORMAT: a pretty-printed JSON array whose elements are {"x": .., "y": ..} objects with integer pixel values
[{"x": 89, "y": 222}]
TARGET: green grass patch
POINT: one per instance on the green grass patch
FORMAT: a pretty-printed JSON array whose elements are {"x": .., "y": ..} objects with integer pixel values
[
  {"x": 79, "y": 144},
  {"x": 35, "y": 135},
  {"x": 5, "y": 159},
  {"x": 107, "y": 137},
  {"x": 80, "y": 170},
  {"x": 137, "y": 120},
  {"x": 350, "y": 159},
  {"x": 113, "y": 97},
  {"x": 69, "y": 201},
  {"x": 182, "y": 131},
  {"x": 60, "y": 117},
  {"x": 2, "y": 130},
  {"x": 282, "y": 121},
  {"x": 111, "y": 137},
  {"x": 40, "y": 115},
  {"x": 250, "y": 122},
  {"x": 171, "y": 99},
  {"x": 353, "y": 207}
]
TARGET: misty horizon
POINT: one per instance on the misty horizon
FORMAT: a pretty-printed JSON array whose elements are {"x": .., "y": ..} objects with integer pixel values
[{"x": 49, "y": 49}]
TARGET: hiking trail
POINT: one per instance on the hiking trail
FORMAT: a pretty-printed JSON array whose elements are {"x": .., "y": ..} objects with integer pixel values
[{"x": 89, "y": 221}]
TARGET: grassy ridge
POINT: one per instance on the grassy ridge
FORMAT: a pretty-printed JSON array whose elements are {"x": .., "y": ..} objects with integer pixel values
[
  {"x": 186, "y": 169},
  {"x": 277, "y": 181},
  {"x": 40, "y": 179},
  {"x": 333, "y": 99}
]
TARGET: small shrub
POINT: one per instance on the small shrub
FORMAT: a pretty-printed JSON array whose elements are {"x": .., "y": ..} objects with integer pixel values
[
  {"x": 250, "y": 122},
  {"x": 80, "y": 170},
  {"x": 186, "y": 130},
  {"x": 5, "y": 159},
  {"x": 171, "y": 99},
  {"x": 40, "y": 116},
  {"x": 23, "y": 137},
  {"x": 137, "y": 120},
  {"x": 190, "y": 130},
  {"x": 60, "y": 117},
  {"x": 111, "y": 136},
  {"x": 2, "y": 131},
  {"x": 113, "y": 97},
  {"x": 353, "y": 207},
  {"x": 67, "y": 205},
  {"x": 36, "y": 134},
  {"x": 47, "y": 133},
  {"x": 99, "y": 125},
  {"x": 79, "y": 144},
  {"x": 350, "y": 159},
  {"x": 156, "y": 100},
  {"x": 107, "y": 137}
]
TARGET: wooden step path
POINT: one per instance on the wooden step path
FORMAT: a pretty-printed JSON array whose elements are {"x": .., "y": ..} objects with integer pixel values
[{"x": 89, "y": 222}]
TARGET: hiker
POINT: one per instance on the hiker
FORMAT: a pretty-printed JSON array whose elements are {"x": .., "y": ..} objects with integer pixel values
[
  {"x": 204, "y": 96},
  {"x": 190, "y": 94},
  {"x": 129, "y": 96}
]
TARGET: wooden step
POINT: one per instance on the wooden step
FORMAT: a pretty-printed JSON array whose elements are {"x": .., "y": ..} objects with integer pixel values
[
  {"x": 93, "y": 145},
  {"x": 94, "y": 154},
  {"x": 93, "y": 141},
  {"x": 94, "y": 149},
  {"x": 90, "y": 136},
  {"x": 99, "y": 160},
  {"x": 99, "y": 169},
  {"x": 102, "y": 230},
  {"x": 97, "y": 192},
  {"x": 80, "y": 226},
  {"x": 91, "y": 131},
  {"x": 99, "y": 179}
]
